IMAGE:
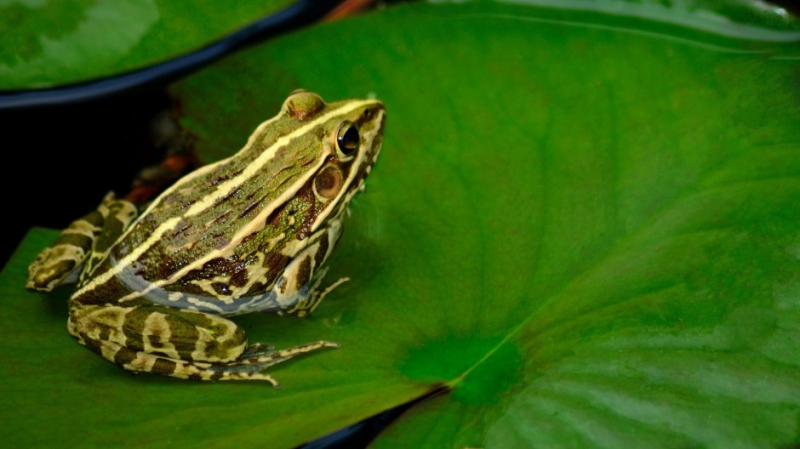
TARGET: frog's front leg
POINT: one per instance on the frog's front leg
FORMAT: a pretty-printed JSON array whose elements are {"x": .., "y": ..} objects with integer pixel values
[
  {"x": 175, "y": 342},
  {"x": 313, "y": 296},
  {"x": 298, "y": 289}
]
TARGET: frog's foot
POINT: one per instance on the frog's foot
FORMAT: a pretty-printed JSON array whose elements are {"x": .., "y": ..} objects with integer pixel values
[
  {"x": 53, "y": 266},
  {"x": 84, "y": 241},
  {"x": 59, "y": 263}
]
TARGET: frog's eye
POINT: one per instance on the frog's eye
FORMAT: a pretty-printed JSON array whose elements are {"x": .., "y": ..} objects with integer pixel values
[
  {"x": 348, "y": 138},
  {"x": 328, "y": 183}
]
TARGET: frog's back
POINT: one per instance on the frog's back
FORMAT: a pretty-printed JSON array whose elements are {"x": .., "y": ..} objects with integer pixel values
[{"x": 229, "y": 229}]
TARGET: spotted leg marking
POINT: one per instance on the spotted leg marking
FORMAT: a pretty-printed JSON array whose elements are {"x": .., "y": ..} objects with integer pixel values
[{"x": 179, "y": 343}]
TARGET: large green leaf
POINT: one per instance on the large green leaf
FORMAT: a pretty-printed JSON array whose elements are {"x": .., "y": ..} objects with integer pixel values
[
  {"x": 586, "y": 226},
  {"x": 44, "y": 44}
]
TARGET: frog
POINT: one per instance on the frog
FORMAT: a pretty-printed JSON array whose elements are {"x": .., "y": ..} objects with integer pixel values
[{"x": 250, "y": 233}]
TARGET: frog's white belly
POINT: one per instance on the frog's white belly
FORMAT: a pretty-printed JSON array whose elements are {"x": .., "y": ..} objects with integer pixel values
[
  {"x": 264, "y": 302},
  {"x": 267, "y": 301}
]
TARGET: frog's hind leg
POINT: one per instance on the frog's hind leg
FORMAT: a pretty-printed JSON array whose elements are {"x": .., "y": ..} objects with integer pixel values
[
  {"x": 87, "y": 236},
  {"x": 179, "y": 343},
  {"x": 248, "y": 369}
]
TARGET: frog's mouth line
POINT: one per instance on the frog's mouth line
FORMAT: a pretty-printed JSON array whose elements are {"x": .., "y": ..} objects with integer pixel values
[{"x": 355, "y": 182}]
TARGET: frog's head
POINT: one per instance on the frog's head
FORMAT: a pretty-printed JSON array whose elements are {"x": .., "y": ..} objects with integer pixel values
[{"x": 350, "y": 137}]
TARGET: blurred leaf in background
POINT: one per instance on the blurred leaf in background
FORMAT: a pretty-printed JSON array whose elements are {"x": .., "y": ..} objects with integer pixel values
[{"x": 44, "y": 44}]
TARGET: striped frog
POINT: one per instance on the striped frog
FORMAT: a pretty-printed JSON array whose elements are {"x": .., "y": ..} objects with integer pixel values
[{"x": 248, "y": 233}]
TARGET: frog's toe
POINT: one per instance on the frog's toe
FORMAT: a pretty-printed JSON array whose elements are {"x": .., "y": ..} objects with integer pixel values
[
  {"x": 255, "y": 350},
  {"x": 252, "y": 362},
  {"x": 270, "y": 357}
]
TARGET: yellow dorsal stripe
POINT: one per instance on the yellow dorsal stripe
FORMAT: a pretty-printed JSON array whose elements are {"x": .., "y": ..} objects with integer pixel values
[
  {"x": 128, "y": 230},
  {"x": 130, "y": 258},
  {"x": 246, "y": 230},
  {"x": 266, "y": 157}
]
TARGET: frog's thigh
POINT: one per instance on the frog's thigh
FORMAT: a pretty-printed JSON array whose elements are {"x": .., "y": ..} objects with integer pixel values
[
  {"x": 187, "y": 334},
  {"x": 178, "y": 343},
  {"x": 162, "y": 331}
]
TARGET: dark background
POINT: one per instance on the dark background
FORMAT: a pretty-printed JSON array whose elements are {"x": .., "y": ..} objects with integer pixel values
[{"x": 62, "y": 160}]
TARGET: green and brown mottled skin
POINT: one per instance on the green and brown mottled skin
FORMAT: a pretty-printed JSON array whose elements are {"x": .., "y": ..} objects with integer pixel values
[{"x": 249, "y": 233}]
